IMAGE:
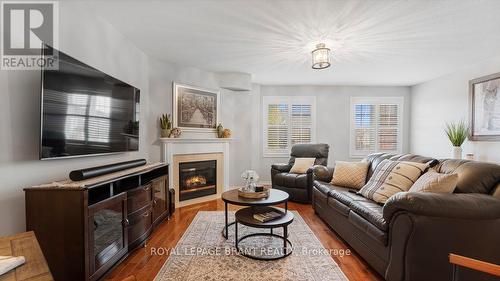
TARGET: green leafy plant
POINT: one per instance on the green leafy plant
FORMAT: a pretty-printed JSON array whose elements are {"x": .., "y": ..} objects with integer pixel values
[
  {"x": 457, "y": 132},
  {"x": 165, "y": 122}
]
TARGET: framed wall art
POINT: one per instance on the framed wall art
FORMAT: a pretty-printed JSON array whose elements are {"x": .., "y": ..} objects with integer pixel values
[
  {"x": 195, "y": 109},
  {"x": 484, "y": 107}
]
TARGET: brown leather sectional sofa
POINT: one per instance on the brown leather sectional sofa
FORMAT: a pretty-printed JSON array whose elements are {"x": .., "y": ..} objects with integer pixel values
[{"x": 410, "y": 237}]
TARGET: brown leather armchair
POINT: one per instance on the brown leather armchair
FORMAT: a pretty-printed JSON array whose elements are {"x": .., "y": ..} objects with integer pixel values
[{"x": 299, "y": 186}]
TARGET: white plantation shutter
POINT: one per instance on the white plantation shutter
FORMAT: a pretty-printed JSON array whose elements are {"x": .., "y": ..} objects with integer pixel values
[
  {"x": 364, "y": 128},
  {"x": 376, "y": 125},
  {"x": 301, "y": 123},
  {"x": 388, "y": 127},
  {"x": 277, "y": 127},
  {"x": 287, "y": 121}
]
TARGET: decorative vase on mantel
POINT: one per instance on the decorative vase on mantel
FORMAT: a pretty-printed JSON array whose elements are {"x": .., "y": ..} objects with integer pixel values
[
  {"x": 457, "y": 152},
  {"x": 165, "y": 133}
]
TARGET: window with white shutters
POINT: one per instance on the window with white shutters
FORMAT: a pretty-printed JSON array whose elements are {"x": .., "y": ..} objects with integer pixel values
[
  {"x": 376, "y": 125},
  {"x": 388, "y": 127},
  {"x": 301, "y": 123},
  {"x": 287, "y": 121},
  {"x": 364, "y": 127},
  {"x": 277, "y": 127}
]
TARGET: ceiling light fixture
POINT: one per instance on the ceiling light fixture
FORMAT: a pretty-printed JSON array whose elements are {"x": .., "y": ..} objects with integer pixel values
[{"x": 320, "y": 57}]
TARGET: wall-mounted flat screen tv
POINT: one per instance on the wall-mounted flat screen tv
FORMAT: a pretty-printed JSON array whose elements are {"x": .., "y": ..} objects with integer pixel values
[{"x": 85, "y": 111}]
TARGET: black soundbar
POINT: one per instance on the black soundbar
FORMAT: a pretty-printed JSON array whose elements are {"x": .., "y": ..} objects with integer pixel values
[{"x": 83, "y": 174}]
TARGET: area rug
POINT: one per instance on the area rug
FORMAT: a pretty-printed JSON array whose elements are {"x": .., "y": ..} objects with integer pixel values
[{"x": 203, "y": 254}]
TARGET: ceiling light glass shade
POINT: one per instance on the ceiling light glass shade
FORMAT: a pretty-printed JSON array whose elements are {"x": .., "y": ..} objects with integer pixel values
[{"x": 320, "y": 57}]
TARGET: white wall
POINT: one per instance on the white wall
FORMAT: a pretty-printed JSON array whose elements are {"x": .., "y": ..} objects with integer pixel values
[
  {"x": 236, "y": 115},
  {"x": 233, "y": 113},
  {"x": 442, "y": 100},
  {"x": 161, "y": 76},
  {"x": 332, "y": 119},
  {"x": 92, "y": 41}
]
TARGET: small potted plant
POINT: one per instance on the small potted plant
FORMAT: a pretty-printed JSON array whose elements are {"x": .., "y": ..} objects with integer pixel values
[
  {"x": 457, "y": 133},
  {"x": 165, "y": 125}
]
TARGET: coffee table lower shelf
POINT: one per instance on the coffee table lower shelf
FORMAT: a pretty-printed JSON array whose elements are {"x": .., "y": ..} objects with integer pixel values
[{"x": 245, "y": 217}]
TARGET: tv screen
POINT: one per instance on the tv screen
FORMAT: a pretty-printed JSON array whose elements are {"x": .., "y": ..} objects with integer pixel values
[{"x": 86, "y": 112}]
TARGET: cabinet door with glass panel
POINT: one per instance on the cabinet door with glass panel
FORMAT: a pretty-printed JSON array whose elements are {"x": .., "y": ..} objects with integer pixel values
[
  {"x": 108, "y": 243},
  {"x": 160, "y": 198}
]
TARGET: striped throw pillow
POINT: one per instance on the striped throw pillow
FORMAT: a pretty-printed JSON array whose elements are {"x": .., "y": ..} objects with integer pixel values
[{"x": 391, "y": 177}]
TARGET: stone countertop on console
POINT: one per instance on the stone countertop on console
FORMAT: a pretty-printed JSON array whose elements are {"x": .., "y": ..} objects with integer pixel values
[
  {"x": 78, "y": 185},
  {"x": 197, "y": 140}
]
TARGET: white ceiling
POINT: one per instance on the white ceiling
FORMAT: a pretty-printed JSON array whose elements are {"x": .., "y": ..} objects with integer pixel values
[{"x": 373, "y": 42}]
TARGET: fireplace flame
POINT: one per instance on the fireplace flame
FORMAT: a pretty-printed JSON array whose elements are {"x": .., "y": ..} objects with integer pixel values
[{"x": 195, "y": 181}]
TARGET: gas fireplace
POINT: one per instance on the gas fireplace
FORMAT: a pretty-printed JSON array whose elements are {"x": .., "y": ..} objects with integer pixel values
[{"x": 197, "y": 179}]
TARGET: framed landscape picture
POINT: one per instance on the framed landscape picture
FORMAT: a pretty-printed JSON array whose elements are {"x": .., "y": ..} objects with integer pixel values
[
  {"x": 484, "y": 100},
  {"x": 195, "y": 109}
]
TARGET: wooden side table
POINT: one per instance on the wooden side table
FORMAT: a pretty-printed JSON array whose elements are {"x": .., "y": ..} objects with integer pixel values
[
  {"x": 25, "y": 244},
  {"x": 460, "y": 261}
]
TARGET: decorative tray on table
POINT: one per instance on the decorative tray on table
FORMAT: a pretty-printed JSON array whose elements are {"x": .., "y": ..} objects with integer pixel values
[{"x": 254, "y": 194}]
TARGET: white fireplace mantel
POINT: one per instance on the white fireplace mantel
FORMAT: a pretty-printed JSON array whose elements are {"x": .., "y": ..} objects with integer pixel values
[
  {"x": 183, "y": 146},
  {"x": 196, "y": 140}
]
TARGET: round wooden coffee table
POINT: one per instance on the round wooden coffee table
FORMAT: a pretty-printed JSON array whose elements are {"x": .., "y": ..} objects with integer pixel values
[
  {"x": 245, "y": 217},
  {"x": 231, "y": 197}
]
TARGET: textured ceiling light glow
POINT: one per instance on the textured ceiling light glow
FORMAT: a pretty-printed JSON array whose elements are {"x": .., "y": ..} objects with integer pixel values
[{"x": 373, "y": 42}]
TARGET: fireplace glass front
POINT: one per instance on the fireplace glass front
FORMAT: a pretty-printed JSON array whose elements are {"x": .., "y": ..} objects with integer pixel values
[{"x": 197, "y": 179}]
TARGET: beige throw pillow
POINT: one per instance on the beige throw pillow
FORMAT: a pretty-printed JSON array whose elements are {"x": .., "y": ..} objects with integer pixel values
[
  {"x": 301, "y": 165},
  {"x": 350, "y": 174},
  {"x": 391, "y": 177},
  {"x": 433, "y": 181}
]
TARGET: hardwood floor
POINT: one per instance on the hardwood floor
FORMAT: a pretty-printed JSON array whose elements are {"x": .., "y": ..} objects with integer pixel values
[{"x": 141, "y": 265}]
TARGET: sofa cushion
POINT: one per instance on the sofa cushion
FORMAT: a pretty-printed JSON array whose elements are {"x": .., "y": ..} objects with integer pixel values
[
  {"x": 496, "y": 191},
  {"x": 365, "y": 214},
  {"x": 338, "y": 206},
  {"x": 368, "y": 228},
  {"x": 433, "y": 181},
  {"x": 391, "y": 177},
  {"x": 473, "y": 176},
  {"x": 343, "y": 200},
  {"x": 301, "y": 165},
  {"x": 350, "y": 174},
  {"x": 323, "y": 187},
  {"x": 291, "y": 180},
  {"x": 432, "y": 162},
  {"x": 375, "y": 158},
  {"x": 345, "y": 195},
  {"x": 371, "y": 211}
]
